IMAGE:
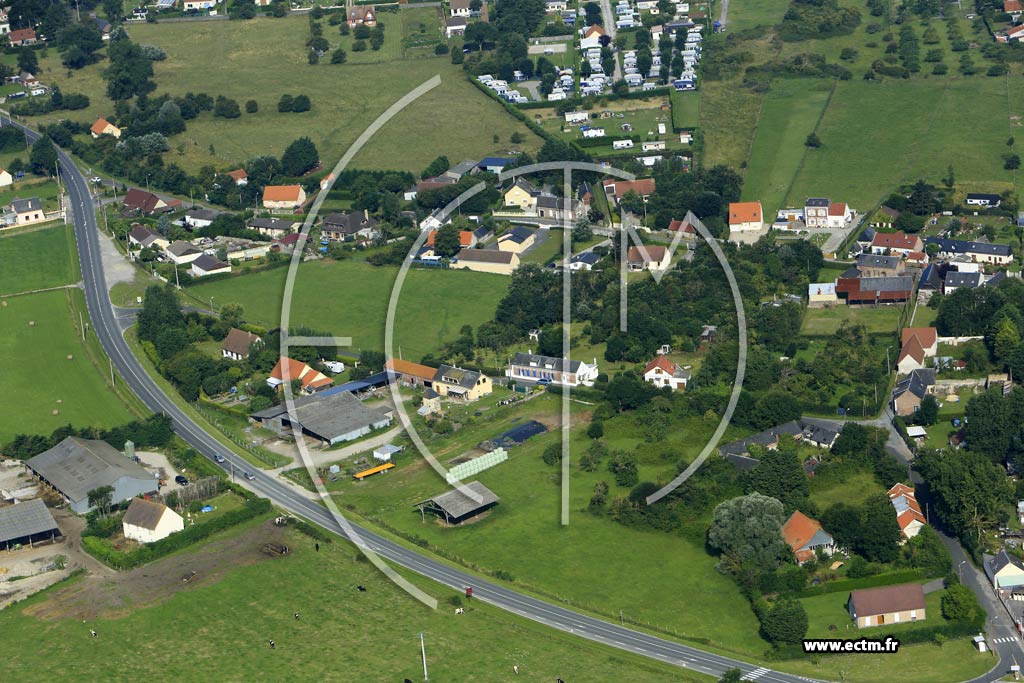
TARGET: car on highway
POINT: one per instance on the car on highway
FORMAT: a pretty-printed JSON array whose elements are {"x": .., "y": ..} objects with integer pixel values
[
  {"x": 219, "y": 458},
  {"x": 249, "y": 475},
  {"x": 95, "y": 180},
  {"x": 180, "y": 480}
]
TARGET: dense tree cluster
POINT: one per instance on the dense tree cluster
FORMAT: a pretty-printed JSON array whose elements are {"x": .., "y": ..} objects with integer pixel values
[
  {"x": 807, "y": 19},
  {"x": 156, "y": 431}
]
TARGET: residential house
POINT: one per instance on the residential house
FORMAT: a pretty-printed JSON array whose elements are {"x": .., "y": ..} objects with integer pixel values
[
  {"x": 240, "y": 177},
  {"x": 1014, "y": 34},
  {"x": 271, "y": 227},
  {"x": 282, "y": 198},
  {"x": 817, "y": 433},
  {"x": 455, "y": 26},
  {"x": 459, "y": 8},
  {"x": 469, "y": 385},
  {"x": 887, "y": 605},
  {"x": 208, "y": 265},
  {"x": 909, "y": 391},
  {"x": 956, "y": 279},
  {"x": 331, "y": 417},
  {"x": 978, "y": 252},
  {"x": 648, "y": 258},
  {"x": 181, "y": 253},
  {"x": 104, "y": 27},
  {"x": 362, "y": 16},
  {"x": 143, "y": 237},
  {"x": 147, "y": 521},
  {"x": 806, "y": 538},
  {"x": 6, "y": 178},
  {"x": 28, "y": 211},
  {"x": 591, "y": 37},
  {"x": 873, "y": 290},
  {"x": 143, "y": 202},
  {"x": 916, "y": 345},
  {"x": 555, "y": 6},
  {"x": 530, "y": 367},
  {"x": 585, "y": 261},
  {"x": 311, "y": 380},
  {"x": 104, "y": 127},
  {"x": 908, "y": 510},
  {"x": 496, "y": 261},
  {"x": 822, "y": 212},
  {"x": 895, "y": 243},
  {"x": 821, "y": 294},
  {"x": 988, "y": 201},
  {"x": 689, "y": 231},
  {"x": 745, "y": 216},
  {"x": 661, "y": 372},
  {"x": 517, "y": 240},
  {"x": 549, "y": 206},
  {"x": 411, "y": 374},
  {"x": 200, "y": 218},
  {"x": 616, "y": 189},
  {"x": 346, "y": 227},
  {"x": 522, "y": 194},
  {"x": 1013, "y": 8},
  {"x": 1006, "y": 572},
  {"x": 22, "y": 37},
  {"x": 237, "y": 343},
  {"x": 875, "y": 265}
]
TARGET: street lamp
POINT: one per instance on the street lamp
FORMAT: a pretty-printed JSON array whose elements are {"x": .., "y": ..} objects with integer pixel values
[{"x": 960, "y": 570}]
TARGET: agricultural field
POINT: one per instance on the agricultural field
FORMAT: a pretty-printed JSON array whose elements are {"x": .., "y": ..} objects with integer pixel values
[
  {"x": 36, "y": 258},
  {"x": 350, "y": 298},
  {"x": 346, "y": 98},
  {"x": 825, "y": 321},
  {"x": 750, "y": 14},
  {"x": 729, "y": 116},
  {"x": 49, "y": 378},
  {"x": 225, "y": 616}
]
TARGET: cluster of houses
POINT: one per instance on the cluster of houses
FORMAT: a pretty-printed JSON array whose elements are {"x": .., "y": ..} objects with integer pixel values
[
  {"x": 200, "y": 255},
  {"x": 816, "y": 213},
  {"x": 1014, "y": 33}
]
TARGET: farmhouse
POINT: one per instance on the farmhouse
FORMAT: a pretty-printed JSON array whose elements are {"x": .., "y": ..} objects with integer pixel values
[
  {"x": 455, "y": 507},
  {"x": 517, "y": 240},
  {"x": 26, "y": 523},
  {"x": 615, "y": 190},
  {"x": 362, "y": 16},
  {"x": 22, "y": 37},
  {"x": 75, "y": 466},
  {"x": 333, "y": 417},
  {"x": 237, "y": 344},
  {"x": 908, "y": 510},
  {"x": 208, "y": 265},
  {"x": 744, "y": 216},
  {"x": 147, "y": 521},
  {"x": 909, "y": 391},
  {"x": 458, "y": 383},
  {"x": 531, "y": 367},
  {"x": 648, "y": 258},
  {"x": 180, "y": 252},
  {"x": 978, "y": 252},
  {"x": 282, "y": 198},
  {"x": 240, "y": 177},
  {"x": 27, "y": 211},
  {"x": 143, "y": 237},
  {"x": 310, "y": 379},
  {"x": 346, "y": 227},
  {"x": 104, "y": 127},
  {"x": 661, "y": 372},
  {"x": 271, "y": 227},
  {"x": 806, "y": 538},
  {"x": 989, "y": 201},
  {"x": 916, "y": 345},
  {"x": 145, "y": 203},
  {"x": 887, "y": 605},
  {"x": 487, "y": 261},
  {"x": 1004, "y": 570}
]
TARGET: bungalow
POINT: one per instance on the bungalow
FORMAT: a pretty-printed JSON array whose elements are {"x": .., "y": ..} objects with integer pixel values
[
  {"x": 908, "y": 510},
  {"x": 237, "y": 343},
  {"x": 181, "y": 253},
  {"x": 28, "y": 211},
  {"x": 916, "y": 345},
  {"x": 744, "y": 216},
  {"x": 147, "y": 521},
  {"x": 22, "y": 37},
  {"x": 978, "y": 252},
  {"x": 887, "y": 605},
  {"x": 145, "y": 203},
  {"x": 362, "y": 16},
  {"x": 487, "y": 261},
  {"x": 208, "y": 265},
  {"x": 455, "y": 26},
  {"x": 271, "y": 227},
  {"x": 143, "y": 237},
  {"x": 346, "y": 227},
  {"x": 240, "y": 177},
  {"x": 1005, "y": 571},
  {"x": 661, "y": 372},
  {"x": 806, "y": 538},
  {"x": 200, "y": 218},
  {"x": 310, "y": 379},
  {"x": 454, "y": 382},
  {"x": 585, "y": 261},
  {"x": 988, "y": 201},
  {"x": 909, "y": 391},
  {"x": 819, "y": 434},
  {"x": 283, "y": 198},
  {"x": 104, "y": 127},
  {"x": 530, "y": 367},
  {"x": 517, "y": 240},
  {"x": 459, "y": 8},
  {"x": 895, "y": 243},
  {"x": 648, "y": 258},
  {"x": 615, "y": 190}
]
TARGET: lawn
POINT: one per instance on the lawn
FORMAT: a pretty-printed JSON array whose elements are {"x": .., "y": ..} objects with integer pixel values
[
  {"x": 790, "y": 113},
  {"x": 853, "y": 490},
  {"x": 224, "y": 620},
  {"x": 39, "y": 379},
  {"x": 685, "y": 109},
  {"x": 47, "y": 191},
  {"x": 271, "y": 54},
  {"x": 825, "y": 321},
  {"x": 546, "y": 250},
  {"x": 36, "y": 259},
  {"x": 861, "y": 138},
  {"x": 350, "y": 298},
  {"x": 746, "y": 15}
]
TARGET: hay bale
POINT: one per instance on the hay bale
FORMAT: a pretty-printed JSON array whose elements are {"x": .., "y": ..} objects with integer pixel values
[
  {"x": 60, "y": 400},
  {"x": 70, "y": 357},
  {"x": 3, "y": 303},
  {"x": 31, "y": 323},
  {"x": 56, "y": 412}
]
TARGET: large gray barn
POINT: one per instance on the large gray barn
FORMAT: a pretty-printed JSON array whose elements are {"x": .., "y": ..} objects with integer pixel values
[{"x": 75, "y": 466}]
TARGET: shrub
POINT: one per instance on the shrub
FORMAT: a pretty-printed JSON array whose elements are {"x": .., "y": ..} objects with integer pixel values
[
  {"x": 251, "y": 107},
  {"x": 359, "y": 46}
]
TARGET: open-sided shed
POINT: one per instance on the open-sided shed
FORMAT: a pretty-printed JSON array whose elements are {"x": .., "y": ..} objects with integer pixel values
[
  {"x": 456, "y": 507},
  {"x": 26, "y": 523}
]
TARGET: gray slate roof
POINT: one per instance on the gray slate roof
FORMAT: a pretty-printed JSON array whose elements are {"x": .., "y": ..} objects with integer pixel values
[
  {"x": 917, "y": 383},
  {"x": 485, "y": 256},
  {"x": 23, "y": 205},
  {"x": 25, "y": 519},
  {"x": 878, "y": 261},
  {"x": 76, "y": 466},
  {"x": 887, "y": 284},
  {"x": 466, "y": 379},
  {"x": 545, "y": 362},
  {"x": 457, "y": 504},
  {"x": 208, "y": 263},
  {"x": 144, "y": 513},
  {"x": 957, "y": 280},
  {"x": 964, "y": 247},
  {"x": 327, "y": 416},
  {"x": 271, "y": 224},
  {"x": 180, "y": 248}
]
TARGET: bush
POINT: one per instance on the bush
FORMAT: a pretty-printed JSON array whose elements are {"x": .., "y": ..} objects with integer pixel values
[
  {"x": 940, "y": 69},
  {"x": 251, "y": 107},
  {"x": 359, "y": 46},
  {"x": 441, "y": 49}
]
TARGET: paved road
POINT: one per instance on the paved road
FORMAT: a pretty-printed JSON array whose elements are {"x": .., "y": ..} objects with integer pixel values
[
  {"x": 724, "y": 13},
  {"x": 608, "y": 16}
]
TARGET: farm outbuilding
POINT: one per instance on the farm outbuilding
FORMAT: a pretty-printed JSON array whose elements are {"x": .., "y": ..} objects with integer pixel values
[
  {"x": 455, "y": 507},
  {"x": 26, "y": 523}
]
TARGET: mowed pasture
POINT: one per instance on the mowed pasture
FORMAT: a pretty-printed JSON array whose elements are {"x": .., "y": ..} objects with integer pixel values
[
  {"x": 263, "y": 59},
  {"x": 350, "y": 298},
  {"x": 224, "y": 618},
  {"x": 876, "y": 136},
  {"x": 37, "y": 258},
  {"x": 822, "y": 322},
  {"x": 789, "y": 114},
  {"x": 37, "y": 372}
]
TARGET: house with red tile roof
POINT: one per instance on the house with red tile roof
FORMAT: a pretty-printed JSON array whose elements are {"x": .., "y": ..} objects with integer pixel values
[
  {"x": 805, "y": 537},
  {"x": 908, "y": 510},
  {"x": 104, "y": 127},
  {"x": 22, "y": 36},
  {"x": 288, "y": 369},
  {"x": 689, "y": 232},
  {"x": 411, "y": 374},
  {"x": 896, "y": 243},
  {"x": 648, "y": 258},
  {"x": 616, "y": 189},
  {"x": 1013, "y": 8},
  {"x": 240, "y": 177},
  {"x": 661, "y": 372},
  {"x": 283, "y": 197},
  {"x": 916, "y": 345},
  {"x": 744, "y": 216}
]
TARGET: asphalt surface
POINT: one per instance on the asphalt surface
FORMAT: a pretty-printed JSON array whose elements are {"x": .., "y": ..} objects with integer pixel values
[{"x": 109, "y": 331}]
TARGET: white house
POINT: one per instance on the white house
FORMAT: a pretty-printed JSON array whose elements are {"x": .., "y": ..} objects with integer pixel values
[
  {"x": 147, "y": 521},
  {"x": 661, "y": 372},
  {"x": 745, "y": 216},
  {"x": 199, "y": 4},
  {"x": 531, "y": 367},
  {"x": 205, "y": 265}
]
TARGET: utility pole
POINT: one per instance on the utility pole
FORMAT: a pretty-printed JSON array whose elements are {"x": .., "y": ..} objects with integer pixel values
[
  {"x": 423, "y": 654},
  {"x": 176, "y": 283}
]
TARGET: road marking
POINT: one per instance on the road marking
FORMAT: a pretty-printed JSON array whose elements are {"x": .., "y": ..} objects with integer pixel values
[{"x": 755, "y": 674}]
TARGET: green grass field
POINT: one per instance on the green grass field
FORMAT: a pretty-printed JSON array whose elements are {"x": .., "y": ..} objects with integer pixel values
[
  {"x": 37, "y": 258},
  {"x": 220, "y": 627},
  {"x": 750, "y": 14},
  {"x": 728, "y": 115},
  {"x": 262, "y": 59},
  {"x": 830, "y": 608},
  {"x": 824, "y": 321},
  {"x": 37, "y": 373},
  {"x": 31, "y": 186},
  {"x": 350, "y": 298},
  {"x": 791, "y": 111},
  {"x": 861, "y": 139},
  {"x": 685, "y": 109}
]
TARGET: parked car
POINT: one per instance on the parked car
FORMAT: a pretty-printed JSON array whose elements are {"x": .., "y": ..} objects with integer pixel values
[{"x": 180, "y": 480}]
